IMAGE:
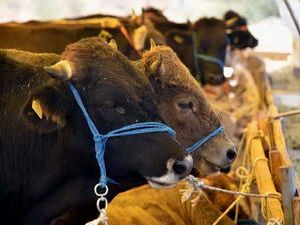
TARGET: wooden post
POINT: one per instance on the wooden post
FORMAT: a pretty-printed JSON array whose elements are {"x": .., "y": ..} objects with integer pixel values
[
  {"x": 296, "y": 210},
  {"x": 288, "y": 188},
  {"x": 263, "y": 176},
  {"x": 276, "y": 162},
  {"x": 278, "y": 136}
]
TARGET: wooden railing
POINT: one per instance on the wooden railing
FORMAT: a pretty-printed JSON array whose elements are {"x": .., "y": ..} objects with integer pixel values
[{"x": 277, "y": 174}]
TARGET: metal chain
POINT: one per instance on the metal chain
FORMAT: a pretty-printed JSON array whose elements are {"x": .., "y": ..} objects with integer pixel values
[{"x": 102, "y": 219}]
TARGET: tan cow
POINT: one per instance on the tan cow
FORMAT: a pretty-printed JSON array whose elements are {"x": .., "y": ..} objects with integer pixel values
[
  {"x": 183, "y": 106},
  {"x": 147, "y": 206}
]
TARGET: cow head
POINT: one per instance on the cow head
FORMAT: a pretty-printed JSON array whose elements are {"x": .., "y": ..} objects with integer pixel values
[
  {"x": 237, "y": 31},
  {"x": 210, "y": 40},
  {"x": 115, "y": 94},
  {"x": 183, "y": 106},
  {"x": 153, "y": 14}
]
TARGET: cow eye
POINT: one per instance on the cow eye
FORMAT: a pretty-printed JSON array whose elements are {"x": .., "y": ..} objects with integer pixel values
[
  {"x": 186, "y": 105},
  {"x": 112, "y": 105},
  {"x": 109, "y": 104}
]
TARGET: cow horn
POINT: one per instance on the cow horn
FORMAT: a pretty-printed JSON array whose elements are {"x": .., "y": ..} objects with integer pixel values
[
  {"x": 62, "y": 70},
  {"x": 133, "y": 14},
  {"x": 152, "y": 44},
  {"x": 37, "y": 108},
  {"x": 154, "y": 67},
  {"x": 113, "y": 44}
]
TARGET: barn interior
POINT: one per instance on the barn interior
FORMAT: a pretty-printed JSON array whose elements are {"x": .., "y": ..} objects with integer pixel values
[{"x": 257, "y": 99}]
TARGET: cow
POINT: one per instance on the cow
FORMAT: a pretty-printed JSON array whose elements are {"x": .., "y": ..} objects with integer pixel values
[
  {"x": 48, "y": 163},
  {"x": 175, "y": 90},
  {"x": 200, "y": 45},
  {"x": 211, "y": 37},
  {"x": 146, "y": 206},
  {"x": 183, "y": 97},
  {"x": 54, "y": 36},
  {"x": 183, "y": 106},
  {"x": 237, "y": 31}
]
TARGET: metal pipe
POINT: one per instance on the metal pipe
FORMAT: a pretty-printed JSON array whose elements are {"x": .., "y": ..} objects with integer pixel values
[{"x": 289, "y": 8}]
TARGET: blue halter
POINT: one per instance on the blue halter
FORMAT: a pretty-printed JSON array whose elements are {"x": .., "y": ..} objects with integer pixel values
[
  {"x": 209, "y": 58},
  {"x": 204, "y": 57},
  {"x": 137, "y": 128},
  {"x": 202, "y": 141},
  {"x": 101, "y": 139}
]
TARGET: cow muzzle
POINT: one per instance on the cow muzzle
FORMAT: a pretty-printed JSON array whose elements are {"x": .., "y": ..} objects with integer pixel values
[{"x": 176, "y": 170}]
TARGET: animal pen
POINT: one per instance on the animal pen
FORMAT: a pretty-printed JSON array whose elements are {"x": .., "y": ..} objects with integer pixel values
[
  {"x": 235, "y": 64},
  {"x": 265, "y": 161}
]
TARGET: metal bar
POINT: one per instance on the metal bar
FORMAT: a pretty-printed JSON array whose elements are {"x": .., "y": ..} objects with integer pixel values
[{"x": 289, "y": 8}]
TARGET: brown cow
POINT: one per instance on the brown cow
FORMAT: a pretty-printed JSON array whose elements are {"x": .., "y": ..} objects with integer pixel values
[
  {"x": 182, "y": 104},
  {"x": 178, "y": 92},
  {"x": 184, "y": 107},
  {"x": 201, "y": 45},
  {"x": 54, "y": 36},
  {"x": 48, "y": 158}
]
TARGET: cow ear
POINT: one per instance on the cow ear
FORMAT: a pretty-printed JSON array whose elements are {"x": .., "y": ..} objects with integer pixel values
[
  {"x": 157, "y": 67},
  {"x": 46, "y": 110}
]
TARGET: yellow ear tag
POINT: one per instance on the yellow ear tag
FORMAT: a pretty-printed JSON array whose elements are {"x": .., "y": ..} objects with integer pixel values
[
  {"x": 36, "y": 106},
  {"x": 231, "y": 21},
  {"x": 178, "y": 39}
]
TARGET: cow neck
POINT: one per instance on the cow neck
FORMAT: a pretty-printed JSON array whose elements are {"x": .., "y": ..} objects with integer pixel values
[{"x": 205, "y": 57}]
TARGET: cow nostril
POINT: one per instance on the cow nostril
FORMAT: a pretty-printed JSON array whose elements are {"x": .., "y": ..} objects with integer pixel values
[
  {"x": 179, "y": 168},
  {"x": 231, "y": 154}
]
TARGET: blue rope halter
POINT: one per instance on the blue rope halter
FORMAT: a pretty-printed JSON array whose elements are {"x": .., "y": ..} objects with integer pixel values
[
  {"x": 204, "y": 57},
  {"x": 101, "y": 139},
  {"x": 132, "y": 129},
  {"x": 202, "y": 141}
]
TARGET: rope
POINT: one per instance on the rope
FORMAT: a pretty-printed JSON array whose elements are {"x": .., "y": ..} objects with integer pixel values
[
  {"x": 204, "y": 57},
  {"x": 101, "y": 139},
  {"x": 200, "y": 185},
  {"x": 264, "y": 203},
  {"x": 133, "y": 129},
  {"x": 227, "y": 211},
  {"x": 209, "y": 59},
  {"x": 274, "y": 221},
  {"x": 202, "y": 141}
]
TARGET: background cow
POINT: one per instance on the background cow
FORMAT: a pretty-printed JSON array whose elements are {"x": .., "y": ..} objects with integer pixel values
[
  {"x": 54, "y": 36},
  {"x": 237, "y": 30},
  {"x": 147, "y": 206}
]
